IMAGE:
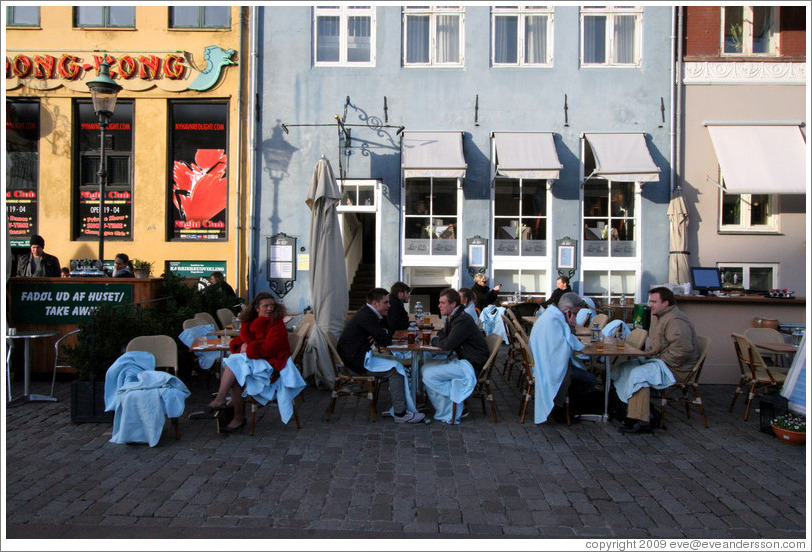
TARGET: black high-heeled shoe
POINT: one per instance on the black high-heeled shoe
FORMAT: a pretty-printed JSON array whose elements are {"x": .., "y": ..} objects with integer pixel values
[
  {"x": 227, "y": 429},
  {"x": 214, "y": 409}
]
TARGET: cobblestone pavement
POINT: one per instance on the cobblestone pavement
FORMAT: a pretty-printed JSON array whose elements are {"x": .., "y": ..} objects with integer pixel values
[{"x": 352, "y": 478}]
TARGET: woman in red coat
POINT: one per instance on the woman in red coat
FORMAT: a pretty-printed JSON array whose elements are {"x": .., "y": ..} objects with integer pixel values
[{"x": 263, "y": 335}]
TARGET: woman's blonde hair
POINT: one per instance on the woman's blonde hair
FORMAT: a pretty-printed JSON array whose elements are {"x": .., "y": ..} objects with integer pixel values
[{"x": 479, "y": 277}]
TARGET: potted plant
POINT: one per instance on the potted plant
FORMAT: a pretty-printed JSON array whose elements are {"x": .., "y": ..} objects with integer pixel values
[
  {"x": 790, "y": 428},
  {"x": 103, "y": 338},
  {"x": 142, "y": 268}
]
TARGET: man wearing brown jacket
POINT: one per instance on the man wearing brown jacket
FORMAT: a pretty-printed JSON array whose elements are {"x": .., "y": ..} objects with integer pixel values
[{"x": 672, "y": 339}]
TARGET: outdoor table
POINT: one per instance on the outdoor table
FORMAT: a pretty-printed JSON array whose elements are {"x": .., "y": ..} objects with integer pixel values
[
  {"x": 27, "y": 336},
  {"x": 400, "y": 343},
  {"x": 625, "y": 309},
  {"x": 609, "y": 353}
]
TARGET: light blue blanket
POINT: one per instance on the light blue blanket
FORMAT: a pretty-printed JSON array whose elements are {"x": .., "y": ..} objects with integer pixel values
[
  {"x": 206, "y": 359},
  {"x": 448, "y": 382},
  {"x": 378, "y": 363},
  {"x": 470, "y": 308},
  {"x": 634, "y": 374},
  {"x": 582, "y": 315},
  {"x": 491, "y": 319},
  {"x": 611, "y": 327},
  {"x": 552, "y": 344},
  {"x": 141, "y": 397},
  {"x": 254, "y": 376}
]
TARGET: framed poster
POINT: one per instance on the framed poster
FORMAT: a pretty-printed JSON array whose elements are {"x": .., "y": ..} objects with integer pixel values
[
  {"x": 476, "y": 255},
  {"x": 198, "y": 190},
  {"x": 566, "y": 256},
  {"x": 281, "y": 269}
]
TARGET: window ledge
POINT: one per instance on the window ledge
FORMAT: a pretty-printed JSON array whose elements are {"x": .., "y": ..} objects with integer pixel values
[{"x": 750, "y": 232}]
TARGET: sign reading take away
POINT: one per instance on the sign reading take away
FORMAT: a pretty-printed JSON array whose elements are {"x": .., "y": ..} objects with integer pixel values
[{"x": 56, "y": 303}]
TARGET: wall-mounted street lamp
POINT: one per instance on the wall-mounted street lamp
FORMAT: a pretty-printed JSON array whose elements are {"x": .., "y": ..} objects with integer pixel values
[{"x": 104, "y": 92}]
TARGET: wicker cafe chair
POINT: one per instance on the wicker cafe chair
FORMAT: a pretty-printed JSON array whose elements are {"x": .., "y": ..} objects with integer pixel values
[
  {"x": 209, "y": 319},
  {"x": 514, "y": 355},
  {"x": 755, "y": 374},
  {"x": 530, "y": 383},
  {"x": 192, "y": 322},
  {"x": 600, "y": 319},
  {"x": 346, "y": 383},
  {"x": 165, "y": 351},
  {"x": 483, "y": 380},
  {"x": 688, "y": 386},
  {"x": 637, "y": 338},
  {"x": 295, "y": 345},
  {"x": 225, "y": 316},
  {"x": 766, "y": 335}
]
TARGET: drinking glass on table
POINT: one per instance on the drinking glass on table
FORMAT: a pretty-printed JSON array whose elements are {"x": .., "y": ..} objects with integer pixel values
[
  {"x": 599, "y": 346},
  {"x": 427, "y": 336},
  {"x": 620, "y": 339}
]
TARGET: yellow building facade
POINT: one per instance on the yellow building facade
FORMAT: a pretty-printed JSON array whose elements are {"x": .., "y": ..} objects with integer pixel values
[{"x": 177, "y": 189}]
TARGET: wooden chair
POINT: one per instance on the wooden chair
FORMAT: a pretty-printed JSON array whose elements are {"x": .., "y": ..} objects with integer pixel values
[
  {"x": 345, "y": 381},
  {"x": 165, "y": 351},
  {"x": 688, "y": 386},
  {"x": 225, "y": 316},
  {"x": 755, "y": 374},
  {"x": 295, "y": 342},
  {"x": 530, "y": 383},
  {"x": 209, "y": 319},
  {"x": 483, "y": 380}
]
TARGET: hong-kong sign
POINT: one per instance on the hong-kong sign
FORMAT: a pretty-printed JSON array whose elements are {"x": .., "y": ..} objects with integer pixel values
[{"x": 173, "y": 72}]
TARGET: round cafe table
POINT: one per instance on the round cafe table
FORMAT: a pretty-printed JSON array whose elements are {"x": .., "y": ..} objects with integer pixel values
[{"x": 27, "y": 336}]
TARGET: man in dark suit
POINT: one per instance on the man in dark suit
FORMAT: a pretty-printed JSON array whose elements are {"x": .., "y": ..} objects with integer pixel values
[
  {"x": 366, "y": 328},
  {"x": 462, "y": 336},
  {"x": 398, "y": 318}
]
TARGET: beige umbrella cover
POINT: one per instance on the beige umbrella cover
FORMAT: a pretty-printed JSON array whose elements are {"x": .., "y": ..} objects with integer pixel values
[
  {"x": 328, "y": 273},
  {"x": 678, "y": 270}
]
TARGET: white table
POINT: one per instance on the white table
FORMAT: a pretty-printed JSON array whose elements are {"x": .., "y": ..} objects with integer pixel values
[{"x": 27, "y": 336}]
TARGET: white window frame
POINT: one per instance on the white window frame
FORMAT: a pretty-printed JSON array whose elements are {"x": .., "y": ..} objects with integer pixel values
[
  {"x": 430, "y": 259},
  {"x": 515, "y": 260},
  {"x": 610, "y": 13},
  {"x": 521, "y": 13},
  {"x": 747, "y": 33},
  {"x": 638, "y": 226},
  {"x": 745, "y": 267},
  {"x": 357, "y": 185},
  {"x": 344, "y": 13},
  {"x": 745, "y": 227},
  {"x": 518, "y": 269},
  {"x": 433, "y": 12},
  {"x": 612, "y": 296}
]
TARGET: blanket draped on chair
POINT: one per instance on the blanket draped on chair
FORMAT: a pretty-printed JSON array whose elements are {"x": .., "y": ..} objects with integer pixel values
[
  {"x": 141, "y": 397},
  {"x": 254, "y": 376},
  {"x": 205, "y": 359},
  {"x": 491, "y": 319}
]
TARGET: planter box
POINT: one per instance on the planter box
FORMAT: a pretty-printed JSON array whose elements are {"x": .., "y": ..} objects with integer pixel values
[{"x": 87, "y": 403}]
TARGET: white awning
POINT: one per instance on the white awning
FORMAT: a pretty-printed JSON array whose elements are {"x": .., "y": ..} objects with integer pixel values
[
  {"x": 622, "y": 157},
  {"x": 437, "y": 154},
  {"x": 761, "y": 159},
  {"x": 526, "y": 155}
]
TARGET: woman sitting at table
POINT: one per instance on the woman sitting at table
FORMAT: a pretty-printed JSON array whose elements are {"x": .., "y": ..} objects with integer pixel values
[
  {"x": 468, "y": 302},
  {"x": 263, "y": 336}
]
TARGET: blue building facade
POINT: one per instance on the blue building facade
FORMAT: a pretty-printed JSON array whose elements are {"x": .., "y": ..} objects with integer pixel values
[{"x": 470, "y": 139}]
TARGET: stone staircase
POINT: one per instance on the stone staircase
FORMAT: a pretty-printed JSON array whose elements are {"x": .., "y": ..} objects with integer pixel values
[{"x": 363, "y": 282}]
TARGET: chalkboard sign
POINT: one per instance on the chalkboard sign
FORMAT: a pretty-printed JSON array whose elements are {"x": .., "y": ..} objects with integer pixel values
[{"x": 281, "y": 270}]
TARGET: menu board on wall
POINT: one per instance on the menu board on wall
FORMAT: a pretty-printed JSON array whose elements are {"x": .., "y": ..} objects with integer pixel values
[
  {"x": 198, "y": 190},
  {"x": 22, "y": 170},
  {"x": 118, "y": 210}
]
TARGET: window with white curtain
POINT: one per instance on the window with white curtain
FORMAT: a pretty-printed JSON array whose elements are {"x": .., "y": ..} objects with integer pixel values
[
  {"x": 344, "y": 35},
  {"x": 522, "y": 35},
  {"x": 610, "y": 36},
  {"x": 433, "y": 35},
  {"x": 749, "y": 30}
]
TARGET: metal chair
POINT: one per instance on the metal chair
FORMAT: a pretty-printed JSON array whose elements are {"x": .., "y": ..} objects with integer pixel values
[
  {"x": 60, "y": 360},
  {"x": 483, "y": 380},
  {"x": 165, "y": 351},
  {"x": 346, "y": 382},
  {"x": 688, "y": 386},
  {"x": 755, "y": 374}
]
